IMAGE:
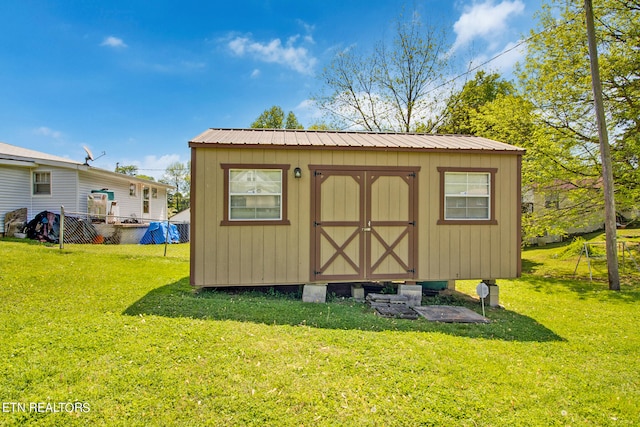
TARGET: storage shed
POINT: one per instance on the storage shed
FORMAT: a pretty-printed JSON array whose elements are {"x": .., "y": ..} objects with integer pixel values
[{"x": 278, "y": 207}]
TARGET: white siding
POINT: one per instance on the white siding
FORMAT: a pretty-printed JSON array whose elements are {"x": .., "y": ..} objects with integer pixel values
[
  {"x": 64, "y": 187},
  {"x": 129, "y": 206},
  {"x": 158, "y": 208},
  {"x": 70, "y": 188},
  {"x": 119, "y": 187},
  {"x": 15, "y": 190}
]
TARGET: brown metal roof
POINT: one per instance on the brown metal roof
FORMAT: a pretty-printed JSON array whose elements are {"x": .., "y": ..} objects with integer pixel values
[{"x": 290, "y": 138}]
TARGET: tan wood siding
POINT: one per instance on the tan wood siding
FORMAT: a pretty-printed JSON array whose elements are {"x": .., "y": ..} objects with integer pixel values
[
  {"x": 281, "y": 254},
  {"x": 248, "y": 254}
]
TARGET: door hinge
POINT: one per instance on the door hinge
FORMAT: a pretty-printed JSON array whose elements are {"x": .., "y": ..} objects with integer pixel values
[
  {"x": 412, "y": 270},
  {"x": 317, "y": 272},
  {"x": 412, "y": 174},
  {"x": 316, "y": 223},
  {"x": 412, "y": 223},
  {"x": 317, "y": 173}
]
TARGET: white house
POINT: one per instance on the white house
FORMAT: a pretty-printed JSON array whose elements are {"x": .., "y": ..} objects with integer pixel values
[{"x": 39, "y": 181}]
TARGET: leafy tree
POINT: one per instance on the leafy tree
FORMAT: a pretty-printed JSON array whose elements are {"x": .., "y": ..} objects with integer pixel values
[
  {"x": 179, "y": 175},
  {"x": 320, "y": 126},
  {"x": 557, "y": 81},
  {"x": 131, "y": 170},
  {"x": 514, "y": 120},
  {"x": 273, "y": 118},
  {"x": 292, "y": 122},
  {"x": 388, "y": 89},
  {"x": 461, "y": 105}
]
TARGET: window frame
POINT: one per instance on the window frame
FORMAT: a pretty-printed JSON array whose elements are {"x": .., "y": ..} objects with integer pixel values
[
  {"x": 492, "y": 197},
  {"x": 552, "y": 201},
  {"x": 283, "y": 168},
  {"x": 146, "y": 200},
  {"x": 34, "y": 183}
]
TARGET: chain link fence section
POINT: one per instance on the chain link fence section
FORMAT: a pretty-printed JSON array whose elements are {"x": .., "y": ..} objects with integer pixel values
[{"x": 85, "y": 228}]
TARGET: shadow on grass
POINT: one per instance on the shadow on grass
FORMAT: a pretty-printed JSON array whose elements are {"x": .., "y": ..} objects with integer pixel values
[
  {"x": 585, "y": 288},
  {"x": 529, "y": 266},
  {"x": 177, "y": 300}
]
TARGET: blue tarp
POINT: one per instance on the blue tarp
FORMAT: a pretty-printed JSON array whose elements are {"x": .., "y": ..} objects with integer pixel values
[{"x": 157, "y": 233}]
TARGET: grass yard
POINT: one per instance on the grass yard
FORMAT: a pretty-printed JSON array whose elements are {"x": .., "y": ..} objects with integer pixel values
[{"x": 113, "y": 335}]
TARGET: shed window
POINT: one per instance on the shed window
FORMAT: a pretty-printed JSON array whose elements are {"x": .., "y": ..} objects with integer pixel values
[
  {"x": 255, "y": 194},
  {"x": 41, "y": 183},
  {"x": 467, "y": 196}
]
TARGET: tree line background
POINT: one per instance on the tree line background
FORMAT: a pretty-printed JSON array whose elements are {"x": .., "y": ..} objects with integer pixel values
[{"x": 404, "y": 84}]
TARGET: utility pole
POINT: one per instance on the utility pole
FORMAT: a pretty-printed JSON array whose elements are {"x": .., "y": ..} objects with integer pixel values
[{"x": 605, "y": 154}]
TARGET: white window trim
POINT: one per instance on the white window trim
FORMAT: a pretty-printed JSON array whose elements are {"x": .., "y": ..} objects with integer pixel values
[
  {"x": 147, "y": 199},
  {"x": 33, "y": 183},
  {"x": 284, "y": 171},
  {"x": 250, "y": 195},
  {"x": 465, "y": 195},
  {"x": 491, "y": 172}
]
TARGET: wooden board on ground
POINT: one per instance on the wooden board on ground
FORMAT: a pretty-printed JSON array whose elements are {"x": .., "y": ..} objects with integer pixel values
[
  {"x": 400, "y": 311},
  {"x": 450, "y": 314}
]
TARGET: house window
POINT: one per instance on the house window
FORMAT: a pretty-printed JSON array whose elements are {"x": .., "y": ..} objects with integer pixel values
[
  {"x": 41, "y": 183},
  {"x": 132, "y": 190},
  {"x": 467, "y": 196},
  {"x": 145, "y": 200},
  {"x": 154, "y": 193},
  {"x": 255, "y": 194},
  {"x": 552, "y": 201}
]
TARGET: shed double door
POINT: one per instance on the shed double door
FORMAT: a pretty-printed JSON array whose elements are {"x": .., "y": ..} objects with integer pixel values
[{"x": 364, "y": 223}]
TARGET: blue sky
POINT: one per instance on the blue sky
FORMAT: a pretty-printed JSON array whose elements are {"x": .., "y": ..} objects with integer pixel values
[{"x": 138, "y": 79}]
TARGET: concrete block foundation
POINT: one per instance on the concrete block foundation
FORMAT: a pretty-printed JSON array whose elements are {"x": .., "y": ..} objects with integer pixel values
[
  {"x": 492, "y": 299},
  {"x": 314, "y": 293},
  {"x": 357, "y": 292},
  {"x": 413, "y": 294}
]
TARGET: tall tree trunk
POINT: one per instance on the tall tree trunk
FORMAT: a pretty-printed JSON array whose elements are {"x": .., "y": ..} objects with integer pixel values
[{"x": 605, "y": 153}]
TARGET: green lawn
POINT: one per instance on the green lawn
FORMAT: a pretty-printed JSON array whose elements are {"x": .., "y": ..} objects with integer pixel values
[{"x": 117, "y": 332}]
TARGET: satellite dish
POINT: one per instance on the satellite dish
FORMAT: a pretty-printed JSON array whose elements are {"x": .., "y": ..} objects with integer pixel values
[{"x": 89, "y": 155}]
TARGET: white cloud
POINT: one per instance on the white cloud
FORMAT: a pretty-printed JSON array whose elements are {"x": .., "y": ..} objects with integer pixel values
[
  {"x": 503, "y": 61},
  {"x": 255, "y": 74},
  {"x": 509, "y": 56},
  {"x": 484, "y": 20},
  {"x": 155, "y": 166},
  {"x": 48, "y": 132},
  {"x": 150, "y": 165},
  {"x": 309, "y": 30},
  {"x": 308, "y": 112},
  {"x": 297, "y": 58},
  {"x": 114, "y": 42}
]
